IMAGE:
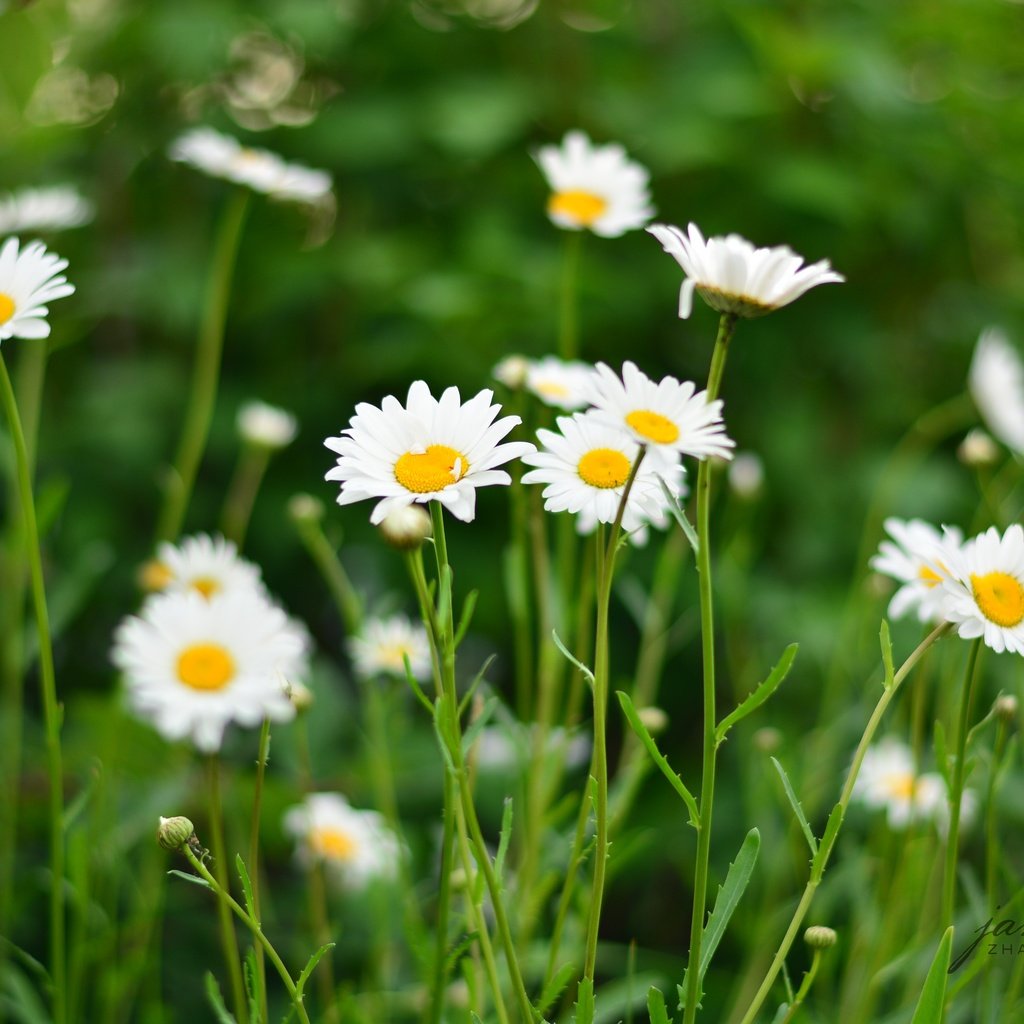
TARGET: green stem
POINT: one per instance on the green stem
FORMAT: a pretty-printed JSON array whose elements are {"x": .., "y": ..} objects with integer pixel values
[
  {"x": 726, "y": 327},
  {"x": 326, "y": 560},
  {"x": 805, "y": 987},
  {"x": 51, "y": 709},
  {"x": 206, "y": 372},
  {"x": 956, "y": 790},
  {"x": 568, "y": 313},
  {"x": 254, "y": 855},
  {"x": 991, "y": 832},
  {"x": 245, "y": 485}
]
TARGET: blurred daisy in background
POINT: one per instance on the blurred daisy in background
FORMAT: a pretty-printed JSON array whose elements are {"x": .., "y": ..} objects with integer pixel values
[
  {"x": 595, "y": 187},
  {"x": 266, "y": 426},
  {"x": 508, "y": 747},
  {"x": 43, "y": 209},
  {"x": 30, "y": 277},
  {"x": 427, "y": 450},
  {"x": 204, "y": 564},
  {"x": 512, "y": 371},
  {"x": 913, "y": 557},
  {"x": 558, "y": 382},
  {"x": 732, "y": 276},
  {"x": 996, "y": 383},
  {"x": 356, "y": 847},
  {"x": 383, "y": 645}
]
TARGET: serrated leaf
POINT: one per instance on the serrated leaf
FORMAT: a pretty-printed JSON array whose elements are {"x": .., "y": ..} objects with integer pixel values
[
  {"x": 797, "y": 809},
  {"x": 555, "y": 987},
  {"x": 656, "y": 1008},
  {"x": 679, "y": 515},
  {"x": 250, "y": 903},
  {"x": 763, "y": 691},
  {"x": 832, "y": 826},
  {"x": 252, "y": 986},
  {"x": 216, "y": 1000},
  {"x": 931, "y": 1005},
  {"x": 584, "y": 1002},
  {"x": 468, "y": 607},
  {"x": 310, "y": 967}
]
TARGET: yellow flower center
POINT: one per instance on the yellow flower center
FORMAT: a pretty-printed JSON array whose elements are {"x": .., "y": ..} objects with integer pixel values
[
  {"x": 652, "y": 425},
  {"x": 206, "y": 667},
  {"x": 6, "y": 308},
  {"x": 155, "y": 575},
  {"x": 901, "y": 787},
  {"x": 582, "y": 207},
  {"x": 206, "y": 585},
  {"x": 552, "y": 389},
  {"x": 1000, "y": 598},
  {"x": 929, "y": 575},
  {"x": 332, "y": 843},
  {"x": 393, "y": 656},
  {"x": 433, "y": 470},
  {"x": 604, "y": 468}
]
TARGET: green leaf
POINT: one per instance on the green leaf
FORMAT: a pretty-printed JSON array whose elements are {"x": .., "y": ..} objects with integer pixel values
[
  {"x": 760, "y": 694},
  {"x": 579, "y": 664},
  {"x": 659, "y": 759},
  {"x": 252, "y": 987},
  {"x": 220, "y": 1011},
  {"x": 468, "y": 607},
  {"x": 886, "y": 642},
  {"x": 781, "y": 1014},
  {"x": 584, "y": 1002},
  {"x": 250, "y": 903},
  {"x": 474, "y": 685},
  {"x": 930, "y": 1007},
  {"x": 310, "y": 967},
  {"x": 680, "y": 517},
  {"x": 458, "y": 950},
  {"x": 797, "y": 809},
  {"x": 504, "y": 837},
  {"x": 194, "y": 879},
  {"x": 555, "y": 987},
  {"x": 469, "y": 737},
  {"x": 656, "y": 1008},
  {"x": 415, "y": 686},
  {"x": 832, "y": 827}
]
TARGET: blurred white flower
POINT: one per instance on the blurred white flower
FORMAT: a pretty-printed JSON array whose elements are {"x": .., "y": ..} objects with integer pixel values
[
  {"x": 266, "y": 426},
  {"x": 208, "y": 565},
  {"x": 30, "y": 277},
  {"x": 977, "y": 449},
  {"x": 43, "y": 209},
  {"x": 732, "y": 276},
  {"x": 512, "y": 371},
  {"x": 563, "y": 384},
  {"x": 383, "y": 644},
  {"x": 508, "y": 747},
  {"x": 595, "y": 187},
  {"x": 746, "y": 475},
  {"x": 996, "y": 382},
  {"x": 915, "y": 557}
]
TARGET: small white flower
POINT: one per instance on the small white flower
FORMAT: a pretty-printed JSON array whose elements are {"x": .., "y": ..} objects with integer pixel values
[
  {"x": 43, "y": 209},
  {"x": 222, "y": 156},
  {"x": 586, "y": 467},
  {"x": 356, "y": 847},
  {"x": 427, "y": 450},
  {"x": 996, "y": 382},
  {"x": 915, "y": 557},
  {"x": 888, "y": 779},
  {"x": 383, "y": 645},
  {"x": 266, "y": 426},
  {"x": 746, "y": 475},
  {"x": 670, "y": 417},
  {"x": 208, "y": 565},
  {"x": 557, "y": 382},
  {"x": 733, "y": 276},
  {"x": 595, "y": 187},
  {"x": 192, "y": 664},
  {"x": 30, "y": 277},
  {"x": 983, "y": 583}
]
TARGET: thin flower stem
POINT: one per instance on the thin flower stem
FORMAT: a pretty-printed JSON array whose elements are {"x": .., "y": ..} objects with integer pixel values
[
  {"x": 991, "y": 832},
  {"x": 245, "y": 485},
  {"x": 231, "y": 906},
  {"x": 326, "y": 560},
  {"x": 254, "y": 855},
  {"x": 726, "y": 328},
  {"x": 443, "y": 903},
  {"x": 828, "y": 843},
  {"x": 51, "y": 709},
  {"x": 228, "y": 938},
  {"x": 805, "y": 987},
  {"x": 568, "y": 309},
  {"x": 956, "y": 790},
  {"x": 206, "y": 372}
]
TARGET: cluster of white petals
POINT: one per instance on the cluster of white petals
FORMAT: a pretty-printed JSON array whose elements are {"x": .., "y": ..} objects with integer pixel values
[
  {"x": 54, "y": 208},
  {"x": 30, "y": 277}
]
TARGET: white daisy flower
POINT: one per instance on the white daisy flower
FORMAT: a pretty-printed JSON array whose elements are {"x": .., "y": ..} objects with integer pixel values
[
  {"x": 733, "y": 276},
  {"x": 266, "y": 426},
  {"x": 984, "y": 588},
  {"x": 670, "y": 417},
  {"x": 43, "y": 209},
  {"x": 565, "y": 384},
  {"x": 427, "y": 450},
  {"x": 222, "y": 156},
  {"x": 595, "y": 187},
  {"x": 586, "y": 467},
  {"x": 914, "y": 558},
  {"x": 996, "y": 383},
  {"x": 193, "y": 665},
  {"x": 356, "y": 847},
  {"x": 383, "y": 644},
  {"x": 204, "y": 564},
  {"x": 30, "y": 277}
]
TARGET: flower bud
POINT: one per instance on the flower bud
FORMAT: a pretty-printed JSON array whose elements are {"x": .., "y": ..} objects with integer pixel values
[
  {"x": 654, "y": 720},
  {"x": 746, "y": 476},
  {"x": 406, "y": 528},
  {"x": 512, "y": 371},
  {"x": 977, "y": 449},
  {"x": 767, "y": 740},
  {"x": 1006, "y": 707},
  {"x": 818, "y": 936},
  {"x": 266, "y": 426},
  {"x": 300, "y": 695},
  {"x": 174, "y": 833},
  {"x": 304, "y": 508}
]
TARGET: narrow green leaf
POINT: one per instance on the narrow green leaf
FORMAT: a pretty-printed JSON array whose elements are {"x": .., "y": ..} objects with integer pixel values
[
  {"x": 458, "y": 950},
  {"x": 252, "y": 987},
  {"x": 828, "y": 837},
  {"x": 469, "y": 737},
  {"x": 474, "y": 685},
  {"x": 311, "y": 966},
  {"x": 555, "y": 987},
  {"x": 797, "y": 809},
  {"x": 579, "y": 664},
  {"x": 584, "y": 1002},
  {"x": 415, "y": 686},
  {"x": 763, "y": 691},
  {"x": 250, "y": 903},
  {"x": 220, "y": 1011},
  {"x": 680, "y": 517},
  {"x": 656, "y": 1008},
  {"x": 659, "y": 759},
  {"x": 466, "y": 617},
  {"x": 930, "y": 1007},
  {"x": 194, "y": 879},
  {"x": 781, "y": 1014},
  {"x": 886, "y": 641},
  {"x": 504, "y": 837}
]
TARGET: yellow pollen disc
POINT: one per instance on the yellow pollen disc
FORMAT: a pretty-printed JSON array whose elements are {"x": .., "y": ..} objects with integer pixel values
[
  {"x": 433, "y": 470},
  {"x": 604, "y": 467},
  {"x": 6, "y": 308},
  {"x": 206, "y": 585},
  {"x": 395, "y": 655},
  {"x": 332, "y": 843},
  {"x": 206, "y": 667},
  {"x": 652, "y": 425},
  {"x": 552, "y": 389},
  {"x": 929, "y": 575},
  {"x": 582, "y": 207},
  {"x": 901, "y": 786},
  {"x": 155, "y": 575},
  {"x": 1000, "y": 598}
]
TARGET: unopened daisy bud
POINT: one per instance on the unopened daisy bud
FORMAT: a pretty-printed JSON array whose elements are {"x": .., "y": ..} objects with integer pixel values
[
  {"x": 266, "y": 426},
  {"x": 746, "y": 476},
  {"x": 654, "y": 720},
  {"x": 299, "y": 694},
  {"x": 304, "y": 508},
  {"x": 977, "y": 449},
  {"x": 406, "y": 528},
  {"x": 1006, "y": 707},
  {"x": 819, "y": 936},
  {"x": 512, "y": 371},
  {"x": 154, "y": 575},
  {"x": 174, "y": 833},
  {"x": 767, "y": 740}
]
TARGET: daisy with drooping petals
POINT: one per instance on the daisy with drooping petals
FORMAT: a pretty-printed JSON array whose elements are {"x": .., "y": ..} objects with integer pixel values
[
  {"x": 732, "y": 276},
  {"x": 427, "y": 450},
  {"x": 595, "y": 187},
  {"x": 29, "y": 278},
  {"x": 383, "y": 645},
  {"x": 559, "y": 382},
  {"x": 208, "y": 565},
  {"x": 913, "y": 558},
  {"x": 192, "y": 665},
  {"x": 356, "y": 846},
  {"x": 43, "y": 209},
  {"x": 670, "y": 417},
  {"x": 586, "y": 467},
  {"x": 984, "y": 588},
  {"x": 996, "y": 383}
]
